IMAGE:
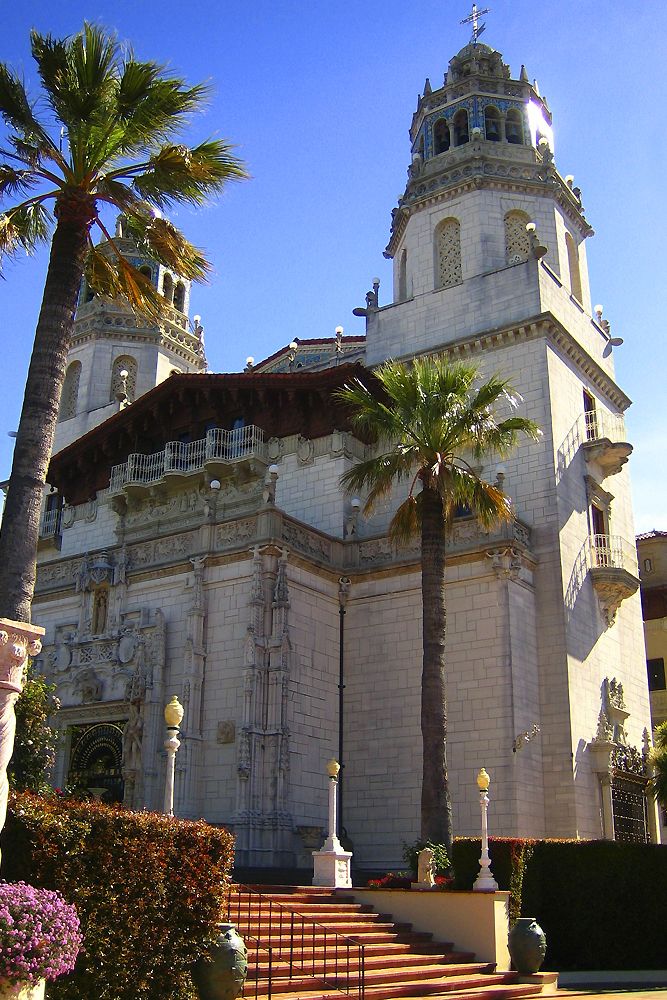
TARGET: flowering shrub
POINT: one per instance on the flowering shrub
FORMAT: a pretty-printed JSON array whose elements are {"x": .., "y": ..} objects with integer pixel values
[
  {"x": 149, "y": 890},
  {"x": 39, "y": 934},
  {"x": 392, "y": 880}
]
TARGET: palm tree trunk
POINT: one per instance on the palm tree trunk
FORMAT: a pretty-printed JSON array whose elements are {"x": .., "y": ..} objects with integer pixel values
[
  {"x": 436, "y": 807},
  {"x": 39, "y": 415}
]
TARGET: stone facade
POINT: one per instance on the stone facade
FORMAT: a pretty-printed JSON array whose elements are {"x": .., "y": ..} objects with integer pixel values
[{"x": 225, "y": 564}]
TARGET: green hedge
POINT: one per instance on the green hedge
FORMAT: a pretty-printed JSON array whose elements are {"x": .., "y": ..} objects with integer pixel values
[
  {"x": 601, "y": 904},
  {"x": 149, "y": 890}
]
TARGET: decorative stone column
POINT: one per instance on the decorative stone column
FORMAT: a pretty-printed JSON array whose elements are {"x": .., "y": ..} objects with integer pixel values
[
  {"x": 331, "y": 863},
  {"x": 18, "y": 641}
]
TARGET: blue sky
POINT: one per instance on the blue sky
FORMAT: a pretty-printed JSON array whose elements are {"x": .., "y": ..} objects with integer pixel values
[{"x": 318, "y": 99}]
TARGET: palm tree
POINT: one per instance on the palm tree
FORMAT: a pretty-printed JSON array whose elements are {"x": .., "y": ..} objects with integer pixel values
[
  {"x": 659, "y": 762},
  {"x": 107, "y": 138},
  {"x": 431, "y": 420}
]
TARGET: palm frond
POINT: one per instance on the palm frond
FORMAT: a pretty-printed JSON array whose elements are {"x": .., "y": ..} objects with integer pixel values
[
  {"x": 162, "y": 241},
  {"x": 24, "y": 227},
  {"x": 18, "y": 114},
  {"x": 13, "y": 181},
  {"x": 376, "y": 476},
  {"x": 78, "y": 75},
  {"x": 406, "y": 522},
  {"x": 151, "y": 107},
  {"x": 115, "y": 278},
  {"x": 182, "y": 174}
]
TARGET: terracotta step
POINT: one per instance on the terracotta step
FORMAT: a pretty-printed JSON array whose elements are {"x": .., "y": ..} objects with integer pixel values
[
  {"x": 401, "y": 960},
  {"x": 468, "y": 989},
  {"x": 378, "y": 973},
  {"x": 392, "y": 951}
]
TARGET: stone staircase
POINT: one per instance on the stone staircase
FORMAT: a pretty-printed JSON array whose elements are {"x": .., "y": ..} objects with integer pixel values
[{"x": 316, "y": 944}]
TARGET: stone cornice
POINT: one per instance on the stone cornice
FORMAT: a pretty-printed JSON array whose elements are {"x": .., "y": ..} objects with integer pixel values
[
  {"x": 544, "y": 325},
  {"x": 496, "y": 175},
  {"x": 170, "y": 553}
]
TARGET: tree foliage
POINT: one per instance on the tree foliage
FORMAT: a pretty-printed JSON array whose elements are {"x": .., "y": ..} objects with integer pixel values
[{"x": 35, "y": 741}]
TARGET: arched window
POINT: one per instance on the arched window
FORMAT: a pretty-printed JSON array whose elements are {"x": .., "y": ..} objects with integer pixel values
[
  {"x": 514, "y": 127},
  {"x": 403, "y": 276},
  {"x": 573, "y": 264},
  {"x": 146, "y": 271},
  {"x": 124, "y": 387},
  {"x": 179, "y": 296},
  {"x": 168, "y": 287},
  {"x": 517, "y": 241},
  {"x": 461, "y": 128},
  {"x": 448, "y": 254},
  {"x": 440, "y": 136},
  {"x": 70, "y": 394},
  {"x": 492, "y": 124}
]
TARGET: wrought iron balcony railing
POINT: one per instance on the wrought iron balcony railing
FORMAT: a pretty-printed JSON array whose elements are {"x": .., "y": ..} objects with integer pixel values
[
  {"x": 598, "y": 426},
  {"x": 178, "y": 458},
  {"x": 612, "y": 552},
  {"x": 49, "y": 525}
]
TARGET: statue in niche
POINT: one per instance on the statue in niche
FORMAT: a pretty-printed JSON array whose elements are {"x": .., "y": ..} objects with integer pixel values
[
  {"x": 132, "y": 737},
  {"x": 89, "y": 686},
  {"x": 100, "y": 611}
]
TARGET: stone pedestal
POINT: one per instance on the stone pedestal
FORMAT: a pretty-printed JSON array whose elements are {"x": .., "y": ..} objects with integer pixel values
[
  {"x": 18, "y": 641},
  {"x": 332, "y": 868}
]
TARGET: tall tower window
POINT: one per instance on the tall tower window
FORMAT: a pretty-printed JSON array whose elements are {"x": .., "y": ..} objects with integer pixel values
[
  {"x": 461, "y": 135},
  {"x": 517, "y": 241},
  {"x": 179, "y": 297},
  {"x": 441, "y": 136},
  {"x": 573, "y": 265},
  {"x": 492, "y": 124},
  {"x": 146, "y": 271},
  {"x": 403, "y": 276},
  {"x": 448, "y": 254},
  {"x": 124, "y": 387},
  {"x": 514, "y": 127},
  {"x": 168, "y": 287},
  {"x": 70, "y": 393}
]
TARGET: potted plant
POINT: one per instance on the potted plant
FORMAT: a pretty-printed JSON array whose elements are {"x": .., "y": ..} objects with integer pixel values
[{"x": 39, "y": 939}]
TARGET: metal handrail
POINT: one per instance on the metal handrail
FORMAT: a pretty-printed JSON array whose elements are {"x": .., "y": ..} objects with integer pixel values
[{"x": 298, "y": 938}]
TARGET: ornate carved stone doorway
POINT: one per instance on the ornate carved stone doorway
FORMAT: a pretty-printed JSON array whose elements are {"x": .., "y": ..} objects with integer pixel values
[{"x": 95, "y": 761}]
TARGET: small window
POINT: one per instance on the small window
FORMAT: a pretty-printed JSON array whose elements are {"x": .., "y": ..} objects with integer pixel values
[
  {"x": 573, "y": 264},
  {"x": 168, "y": 287},
  {"x": 403, "y": 276},
  {"x": 492, "y": 124},
  {"x": 179, "y": 297},
  {"x": 123, "y": 379},
  {"x": 648, "y": 565},
  {"x": 514, "y": 127},
  {"x": 440, "y": 137},
  {"x": 448, "y": 254},
  {"x": 461, "y": 135},
  {"x": 517, "y": 240},
  {"x": 69, "y": 397},
  {"x": 590, "y": 417},
  {"x": 656, "y": 674}
]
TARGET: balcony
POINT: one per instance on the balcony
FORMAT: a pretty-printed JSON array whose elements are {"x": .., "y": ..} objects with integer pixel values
[
  {"x": 222, "y": 453},
  {"x": 604, "y": 441},
  {"x": 612, "y": 564},
  {"x": 50, "y": 527}
]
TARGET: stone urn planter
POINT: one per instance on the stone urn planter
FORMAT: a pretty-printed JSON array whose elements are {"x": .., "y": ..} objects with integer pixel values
[
  {"x": 17, "y": 991},
  {"x": 527, "y": 945},
  {"x": 222, "y": 976}
]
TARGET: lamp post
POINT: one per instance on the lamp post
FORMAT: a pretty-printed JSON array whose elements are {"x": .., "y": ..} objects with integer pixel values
[
  {"x": 173, "y": 716},
  {"x": 485, "y": 881},
  {"x": 331, "y": 864}
]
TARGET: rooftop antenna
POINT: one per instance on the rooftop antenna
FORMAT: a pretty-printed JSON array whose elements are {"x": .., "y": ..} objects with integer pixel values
[{"x": 473, "y": 19}]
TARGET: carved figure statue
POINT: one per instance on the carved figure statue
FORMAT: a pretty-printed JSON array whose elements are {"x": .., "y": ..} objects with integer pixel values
[
  {"x": 132, "y": 737},
  {"x": 426, "y": 867}
]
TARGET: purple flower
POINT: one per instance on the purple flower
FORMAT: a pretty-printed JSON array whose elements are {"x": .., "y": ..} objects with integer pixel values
[{"x": 39, "y": 934}]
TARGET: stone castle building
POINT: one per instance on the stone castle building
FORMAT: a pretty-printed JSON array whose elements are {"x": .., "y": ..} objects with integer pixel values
[{"x": 197, "y": 540}]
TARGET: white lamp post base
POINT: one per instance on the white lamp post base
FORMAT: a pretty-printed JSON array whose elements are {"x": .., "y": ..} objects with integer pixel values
[{"x": 332, "y": 868}]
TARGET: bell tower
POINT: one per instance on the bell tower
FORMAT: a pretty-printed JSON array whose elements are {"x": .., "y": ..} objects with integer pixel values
[
  {"x": 116, "y": 356},
  {"x": 489, "y": 267},
  {"x": 482, "y": 205}
]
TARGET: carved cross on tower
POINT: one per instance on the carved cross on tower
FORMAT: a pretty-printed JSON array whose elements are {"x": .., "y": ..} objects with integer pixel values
[{"x": 473, "y": 19}]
